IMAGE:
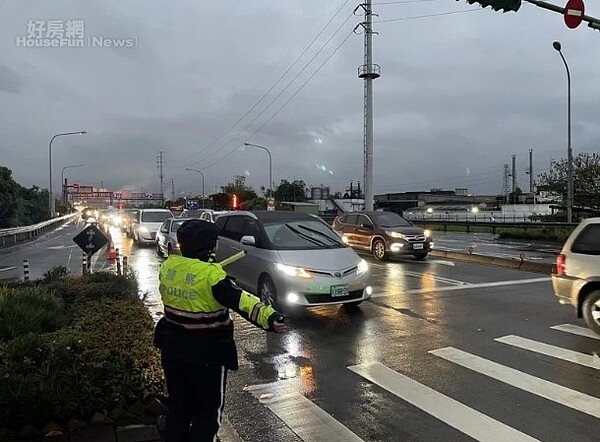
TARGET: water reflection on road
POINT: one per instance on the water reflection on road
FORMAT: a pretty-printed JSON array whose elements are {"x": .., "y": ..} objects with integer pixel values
[{"x": 145, "y": 263}]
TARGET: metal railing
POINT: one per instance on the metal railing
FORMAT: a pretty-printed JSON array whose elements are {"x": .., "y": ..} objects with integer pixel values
[{"x": 14, "y": 235}]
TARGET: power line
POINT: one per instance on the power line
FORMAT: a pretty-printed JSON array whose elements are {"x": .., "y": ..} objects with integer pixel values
[
  {"x": 428, "y": 16},
  {"x": 287, "y": 86},
  {"x": 402, "y": 2},
  {"x": 288, "y": 100},
  {"x": 265, "y": 94}
]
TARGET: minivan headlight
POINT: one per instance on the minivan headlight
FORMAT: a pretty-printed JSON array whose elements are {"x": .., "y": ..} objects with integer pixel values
[
  {"x": 395, "y": 234},
  {"x": 363, "y": 267},
  {"x": 144, "y": 229},
  {"x": 294, "y": 271},
  {"x": 427, "y": 233}
]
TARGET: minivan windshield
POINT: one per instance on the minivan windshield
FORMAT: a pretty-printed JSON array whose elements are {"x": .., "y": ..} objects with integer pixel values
[
  {"x": 155, "y": 217},
  {"x": 389, "y": 219},
  {"x": 302, "y": 235}
]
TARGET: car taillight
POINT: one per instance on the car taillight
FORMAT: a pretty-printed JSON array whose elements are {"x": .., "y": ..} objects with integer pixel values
[{"x": 561, "y": 264}]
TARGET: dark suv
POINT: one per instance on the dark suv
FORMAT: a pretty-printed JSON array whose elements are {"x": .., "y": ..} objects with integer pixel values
[{"x": 383, "y": 234}]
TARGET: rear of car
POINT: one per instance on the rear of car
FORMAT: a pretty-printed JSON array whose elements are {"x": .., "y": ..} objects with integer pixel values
[
  {"x": 576, "y": 279},
  {"x": 147, "y": 223},
  {"x": 293, "y": 259},
  {"x": 166, "y": 237}
]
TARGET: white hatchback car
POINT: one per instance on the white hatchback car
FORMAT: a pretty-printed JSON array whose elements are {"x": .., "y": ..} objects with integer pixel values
[{"x": 576, "y": 280}]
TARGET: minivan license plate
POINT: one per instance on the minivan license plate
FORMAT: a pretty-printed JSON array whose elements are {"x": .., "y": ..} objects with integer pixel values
[
  {"x": 339, "y": 290},
  {"x": 418, "y": 246}
]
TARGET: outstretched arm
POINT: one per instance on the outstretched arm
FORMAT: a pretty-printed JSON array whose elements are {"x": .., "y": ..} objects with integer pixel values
[{"x": 228, "y": 294}]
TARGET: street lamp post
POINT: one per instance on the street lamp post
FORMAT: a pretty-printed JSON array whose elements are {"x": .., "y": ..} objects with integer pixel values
[
  {"x": 50, "y": 198},
  {"x": 558, "y": 47},
  {"x": 62, "y": 180},
  {"x": 202, "y": 174},
  {"x": 270, "y": 166}
]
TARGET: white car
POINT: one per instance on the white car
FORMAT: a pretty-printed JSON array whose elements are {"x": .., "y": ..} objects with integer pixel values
[
  {"x": 293, "y": 259},
  {"x": 576, "y": 279},
  {"x": 146, "y": 224}
]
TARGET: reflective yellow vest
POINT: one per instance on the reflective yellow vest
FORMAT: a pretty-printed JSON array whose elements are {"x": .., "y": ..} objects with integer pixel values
[{"x": 186, "y": 291}]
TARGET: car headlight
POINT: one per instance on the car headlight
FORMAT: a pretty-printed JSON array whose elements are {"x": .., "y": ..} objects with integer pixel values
[
  {"x": 363, "y": 267},
  {"x": 395, "y": 234},
  {"x": 344, "y": 239},
  {"x": 143, "y": 229},
  {"x": 294, "y": 271},
  {"x": 427, "y": 233}
]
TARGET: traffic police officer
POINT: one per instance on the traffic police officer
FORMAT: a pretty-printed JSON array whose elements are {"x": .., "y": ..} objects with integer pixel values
[{"x": 195, "y": 335}]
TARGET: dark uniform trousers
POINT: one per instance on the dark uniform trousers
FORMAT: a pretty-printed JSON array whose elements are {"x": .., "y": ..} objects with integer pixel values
[{"x": 196, "y": 400}]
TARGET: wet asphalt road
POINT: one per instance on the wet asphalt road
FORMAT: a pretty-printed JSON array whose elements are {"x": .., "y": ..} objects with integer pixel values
[{"x": 369, "y": 373}]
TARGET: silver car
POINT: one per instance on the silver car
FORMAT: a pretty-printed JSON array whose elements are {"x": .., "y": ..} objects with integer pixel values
[
  {"x": 293, "y": 259},
  {"x": 166, "y": 237},
  {"x": 576, "y": 279}
]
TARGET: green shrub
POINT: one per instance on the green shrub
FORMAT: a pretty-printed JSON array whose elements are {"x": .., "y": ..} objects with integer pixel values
[
  {"x": 29, "y": 309},
  {"x": 95, "y": 286},
  {"x": 103, "y": 359},
  {"x": 55, "y": 273}
]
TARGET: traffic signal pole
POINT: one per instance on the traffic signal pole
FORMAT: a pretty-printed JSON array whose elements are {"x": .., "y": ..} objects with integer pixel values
[{"x": 593, "y": 23}]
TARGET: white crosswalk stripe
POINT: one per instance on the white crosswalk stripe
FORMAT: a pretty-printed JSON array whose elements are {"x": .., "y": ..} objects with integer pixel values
[
  {"x": 309, "y": 421},
  {"x": 312, "y": 423},
  {"x": 576, "y": 330},
  {"x": 465, "y": 419},
  {"x": 554, "y": 392},
  {"x": 551, "y": 350}
]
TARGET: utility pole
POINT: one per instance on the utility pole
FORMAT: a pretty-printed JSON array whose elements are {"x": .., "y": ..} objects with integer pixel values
[
  {"x": 160, "y": 163},
  {"x": 514, "y": 178},
  {"x": 172, "y": 190},
  {"x": 505, "y": 183},
  {"x": 368, "y": 71},
  {"x": 530, "y": 170}
]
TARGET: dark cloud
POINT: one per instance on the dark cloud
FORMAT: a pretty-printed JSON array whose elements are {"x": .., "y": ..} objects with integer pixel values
[
  {"x": 458, "y": 95},
  {"x": 10, "y": 82}
]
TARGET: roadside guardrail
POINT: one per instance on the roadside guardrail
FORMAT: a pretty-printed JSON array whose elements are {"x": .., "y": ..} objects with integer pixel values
[{"x": 15, "y": 235}]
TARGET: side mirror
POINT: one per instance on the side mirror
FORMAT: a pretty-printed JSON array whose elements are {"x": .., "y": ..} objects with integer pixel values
[{"x": 248, "y": 240}]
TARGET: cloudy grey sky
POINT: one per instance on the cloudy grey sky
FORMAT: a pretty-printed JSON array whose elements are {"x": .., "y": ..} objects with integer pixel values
[{"x": 459, "y": 94}]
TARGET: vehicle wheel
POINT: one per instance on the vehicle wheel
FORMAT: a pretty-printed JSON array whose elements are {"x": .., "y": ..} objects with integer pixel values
[
  {"x": 267, "y": 291},
  {"x": 420, "y": 256},
  {"x": 379, "y": 250},
  {"x": 591, "y": 311},
  {"x": 169, "y": 250},
  {"x": 159, "y": 251}
]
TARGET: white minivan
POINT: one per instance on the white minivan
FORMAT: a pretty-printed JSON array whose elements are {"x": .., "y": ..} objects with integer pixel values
[{"x": 146, "y": 224}]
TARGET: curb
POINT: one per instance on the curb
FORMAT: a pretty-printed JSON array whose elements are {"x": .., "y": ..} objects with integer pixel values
[{"x": 516, "y": 264}]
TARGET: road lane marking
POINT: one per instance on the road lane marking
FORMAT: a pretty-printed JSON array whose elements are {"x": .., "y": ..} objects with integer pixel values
[
  {"x": 551, "y": 350},
  {"x": 576, "y": 330},
  {"x": 456, "y": 414},
  {"x": 6, "y": 269},
  {"x": 435, "y": 278},
  {"x": 466, "y": 287},
  {"x": 531, "y": 384},
  {"x": 309, "y": 421}
]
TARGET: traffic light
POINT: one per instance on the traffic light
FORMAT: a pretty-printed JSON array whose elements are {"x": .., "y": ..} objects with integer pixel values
[
  {"x": 498, "y": 5},
  {"x": 75, "y": 187}
]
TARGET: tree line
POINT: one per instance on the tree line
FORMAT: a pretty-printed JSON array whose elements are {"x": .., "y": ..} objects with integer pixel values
[{"x": 20, "y": 206}]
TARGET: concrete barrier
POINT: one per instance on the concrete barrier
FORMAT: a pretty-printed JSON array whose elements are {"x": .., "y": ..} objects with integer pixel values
[{"x": 516, "y": 264}]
